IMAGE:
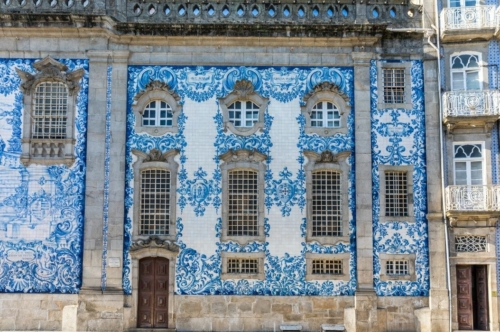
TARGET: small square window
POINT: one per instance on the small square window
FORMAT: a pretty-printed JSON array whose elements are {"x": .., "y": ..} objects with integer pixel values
[
  {"x": 243, "y": 265},
  {"x": 397, "y": 267},
  {"x": 327, "y": 266}
]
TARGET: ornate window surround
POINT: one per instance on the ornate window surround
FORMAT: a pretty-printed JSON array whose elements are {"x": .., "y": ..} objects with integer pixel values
[
  {"x": 155, "y": 159},
  {"x": 345, "y": 276},
  {"x": 243, "y": 91},
  {"x": 156, "y": 90},
  {"x": 382, "y": 169},
  {"x": 260, "y": 256},
  {"x": 338, "y": 163},
  {"x": 250, "y": 160},
  {"x": 153, "y": 247},
  {"x": 49, "y": 70},
  {"x": 384, "y": 258},
  {"x": 330, "y": 92},
  {"x": 407, "y": 86}
]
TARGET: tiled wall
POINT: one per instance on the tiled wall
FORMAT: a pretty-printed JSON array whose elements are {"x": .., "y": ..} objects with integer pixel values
[{"x": 41, "y": 207}]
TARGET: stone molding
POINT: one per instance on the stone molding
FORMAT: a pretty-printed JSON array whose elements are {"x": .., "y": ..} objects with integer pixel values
[{"x": 154, "y": 242}]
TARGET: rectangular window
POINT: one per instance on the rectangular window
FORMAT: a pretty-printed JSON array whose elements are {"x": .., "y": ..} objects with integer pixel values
[
  {"x": 396, "y": 194},
  {"x": 468, "y": 161},
  {"x": 243, "y": 211},
  {"x": 245, "y": 266},
  {"x": 394, "y": 85},
  {"x": 397, "y": 268},
  {"x": 50, "y": 111},
  {"x": 326, "y": 204},
  {"x": 327, "y": 266},
  {"x": 155, "y": 202}
]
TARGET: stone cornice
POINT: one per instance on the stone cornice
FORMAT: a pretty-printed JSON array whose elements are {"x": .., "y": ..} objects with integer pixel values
[{"x": 154, "y": 242}]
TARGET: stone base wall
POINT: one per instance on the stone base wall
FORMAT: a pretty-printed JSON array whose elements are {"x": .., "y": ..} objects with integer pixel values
[
  {"x": 398, "y": 313},
  {"x": 257, "y": 313},
  {"x": 34, "y": 311}
]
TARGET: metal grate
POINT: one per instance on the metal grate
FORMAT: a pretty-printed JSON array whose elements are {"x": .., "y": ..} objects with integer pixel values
[
  {"x": 326, "y": 204},
  {"x": 326, "y": 266},
  {"x": 470, "y": 243},
  {"x": 394, "y": 86},
  {"x": 243, "y": 203},
  {"x": 243, "y": 113},
  {"x": 155, "y": 202},
  {"x": 396, "y": 194},
  {"x": 157, "y": 114},
  {"x": 325, "y": 114},
  {"x": 243, "y": 265},
  {"x": 50, "y": 111},
  {"x": 397, "y": 268}
]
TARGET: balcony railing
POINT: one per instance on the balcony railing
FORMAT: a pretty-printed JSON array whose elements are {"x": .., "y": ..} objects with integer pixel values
[
  {"x": 470, "y": 17},
  {"x": 471, "y": 103},
  {"x": 473, "y": 198}
]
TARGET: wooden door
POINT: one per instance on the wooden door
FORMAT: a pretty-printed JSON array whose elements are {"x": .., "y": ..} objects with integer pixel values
[
  {"x": 464, "y": 297},
  {"x": 152, "y": 308},
  {"x": 481, "y": 297}
]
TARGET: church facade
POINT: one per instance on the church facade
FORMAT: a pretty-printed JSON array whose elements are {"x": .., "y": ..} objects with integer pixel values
[{"x": 200, "y": 166}]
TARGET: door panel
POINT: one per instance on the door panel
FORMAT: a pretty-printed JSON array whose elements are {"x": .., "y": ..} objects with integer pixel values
[
  {"x": 152, "y": 308},
  {"x": 481, "y": 280},
  {"x": 464, "y": 297}
]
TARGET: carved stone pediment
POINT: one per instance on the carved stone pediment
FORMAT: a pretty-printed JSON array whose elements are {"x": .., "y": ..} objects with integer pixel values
[
  {"x": 327, "y": 156},
  {"x": 325, "y": 87},
  {"x": 243, "y": 155},
  {"x": 155, "y": 155},
  {"x": 154, "y": 242},
  {"x": 157, "y": 86},
  {"x": 50, "y": 70}
]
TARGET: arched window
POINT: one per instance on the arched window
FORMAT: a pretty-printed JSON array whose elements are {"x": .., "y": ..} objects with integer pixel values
[
  {"x": 157, "y": 114},
  {"x": 465, "y": 72},
  {"x": 243, "y": 114},
  {"x": 326, "y": 110}
]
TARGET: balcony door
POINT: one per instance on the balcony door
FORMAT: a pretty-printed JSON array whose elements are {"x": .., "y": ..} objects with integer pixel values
[
  {"x": 465, "y": 72},
  {"x": 469, "y": 176}
]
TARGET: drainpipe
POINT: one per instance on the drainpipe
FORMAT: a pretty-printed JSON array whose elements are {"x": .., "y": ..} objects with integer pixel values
[{"x": 429, "y": 33}]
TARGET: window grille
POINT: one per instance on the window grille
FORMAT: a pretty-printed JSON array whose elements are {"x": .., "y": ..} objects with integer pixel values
[
  {"x": 325, "y": 114},
  {"x": 50, "y": 111},
  {"x": 397, "y": 268},
  {"x": 155, "y": 202},
  {"x": 326, "y": 204},
  {"x": 243, "y": 207},
  {"x": 243, "y": 265},
  {"x": 157, "y": 114},
  {"x": 470, "y": 243},
  {"x": 243, "y": 113},
  {"x": 396, "y": 194},
  {"x": 394, "y": 86},
  {"x": 326, "y": 266}
]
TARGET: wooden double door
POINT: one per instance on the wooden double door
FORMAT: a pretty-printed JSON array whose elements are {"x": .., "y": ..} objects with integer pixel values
[
  {"x": 472, "y": 297},
  {"x": 152, "y": 306}
]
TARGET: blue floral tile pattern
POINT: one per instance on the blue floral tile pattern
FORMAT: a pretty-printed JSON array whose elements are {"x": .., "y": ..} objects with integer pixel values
[
  {"x": 398, "y": 138},
  {"x": 41, "y": 207}
]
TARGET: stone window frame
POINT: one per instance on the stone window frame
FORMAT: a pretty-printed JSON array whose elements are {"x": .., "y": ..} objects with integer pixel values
[
  {"x": 344, "y": 257},
  {"x": 384, "y": 258},
  {"x": 155, "y": 159},
  {"x": 243, "y": 91},
  {"x": 243, "y": 160},
  {"x": 407, "y": 86},
  {"x": 335, "y": 162},
  {"x": 329, "y": 92},
  {"x": 49, "y": 70},
  {"x": 408, "y": 169},
  {"x": 260, "y": 256},
  {"x": 156, "y": 91},
  {"x": 486, "y": 232}
]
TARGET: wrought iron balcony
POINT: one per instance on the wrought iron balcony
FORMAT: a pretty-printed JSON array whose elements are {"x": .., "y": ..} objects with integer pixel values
[
  {"x": 471, "y": 109},
  {"x": 463, "y": 23},
  {"x": 473, "y": 198}
]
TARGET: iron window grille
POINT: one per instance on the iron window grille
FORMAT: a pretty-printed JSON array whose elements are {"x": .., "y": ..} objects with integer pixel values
[
  {"x": 50, "y": 111},
  {"x": 394, "y": 86},
  {"x": 326, "y": 204},
  {"x": 243, "y": 203},
  {"x": 155, "y": 202},
  {"x": 327, "y": 266},
  {"x": 242, "y": 266},
  {"x": 396, "y": 199},
  {"x": 470, "y": 243},
  {"x": 397, "y": 268}
]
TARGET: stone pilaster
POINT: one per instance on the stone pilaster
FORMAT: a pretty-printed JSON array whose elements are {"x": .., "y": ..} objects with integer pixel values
[{"x": 366, "y": 299}]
